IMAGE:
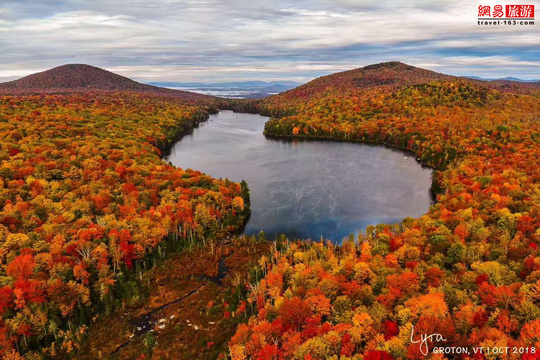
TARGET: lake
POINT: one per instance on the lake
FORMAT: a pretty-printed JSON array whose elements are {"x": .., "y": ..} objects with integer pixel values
[{"x": 307, "y": 189}]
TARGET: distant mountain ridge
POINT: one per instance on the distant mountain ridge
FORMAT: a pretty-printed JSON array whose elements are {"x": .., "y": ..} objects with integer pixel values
[
  {"x": 81, "y": 77},
  {"x": 508, "y": 78},
  {"x": 234, "y": 84}
]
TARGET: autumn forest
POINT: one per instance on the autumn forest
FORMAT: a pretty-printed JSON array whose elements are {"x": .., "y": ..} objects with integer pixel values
[{"x": 95, "y": 228}]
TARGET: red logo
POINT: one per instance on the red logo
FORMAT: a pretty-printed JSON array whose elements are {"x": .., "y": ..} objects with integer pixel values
[{"x": 512, "y": 11}]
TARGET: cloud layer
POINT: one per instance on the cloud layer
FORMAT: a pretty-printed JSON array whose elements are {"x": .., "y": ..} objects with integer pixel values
[{"x": 211, "y": 40}]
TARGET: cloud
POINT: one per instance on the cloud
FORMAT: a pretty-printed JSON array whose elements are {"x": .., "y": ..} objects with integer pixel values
[{"x": 212, "y": 40}]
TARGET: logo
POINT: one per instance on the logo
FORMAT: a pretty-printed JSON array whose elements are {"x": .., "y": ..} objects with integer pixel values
[
  {"x": 506, "y": 15},
  {"x": 424, "y": 339}
]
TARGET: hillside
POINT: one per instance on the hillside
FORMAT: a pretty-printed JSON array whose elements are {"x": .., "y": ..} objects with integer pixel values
[
  {"x": 387, "y": 73},
  {"x": 387, "y": 76},
  {"x": 80, "y": 77}
]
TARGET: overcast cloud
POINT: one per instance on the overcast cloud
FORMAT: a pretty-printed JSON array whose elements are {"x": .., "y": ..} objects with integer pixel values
[{"x": 210, "y": 40}]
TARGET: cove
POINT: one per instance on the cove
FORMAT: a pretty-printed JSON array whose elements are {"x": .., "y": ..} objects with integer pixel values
[{"x": 307, "y": 188}]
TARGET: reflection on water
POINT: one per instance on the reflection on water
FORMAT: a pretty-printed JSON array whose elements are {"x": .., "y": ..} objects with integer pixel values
[{"x": 307, "y": 189}]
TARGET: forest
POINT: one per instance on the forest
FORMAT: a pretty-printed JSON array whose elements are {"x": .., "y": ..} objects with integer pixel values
[
  {"x": 88, "y": 205},
  {"x": 89, "y": 209}
]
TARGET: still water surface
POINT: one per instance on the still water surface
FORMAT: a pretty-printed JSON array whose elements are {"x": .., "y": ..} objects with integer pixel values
[{"x": 307, "y": 189}]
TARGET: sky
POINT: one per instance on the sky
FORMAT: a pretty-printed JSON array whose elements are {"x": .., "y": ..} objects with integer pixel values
[{"x": 236, "y": 40}]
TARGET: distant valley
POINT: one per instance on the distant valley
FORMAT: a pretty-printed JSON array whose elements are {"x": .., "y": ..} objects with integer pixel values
[{"x": 233, "y": 90}]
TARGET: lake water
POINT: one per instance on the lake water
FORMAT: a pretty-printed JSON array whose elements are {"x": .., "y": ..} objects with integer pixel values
[{"x": 307, "y": 189}]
